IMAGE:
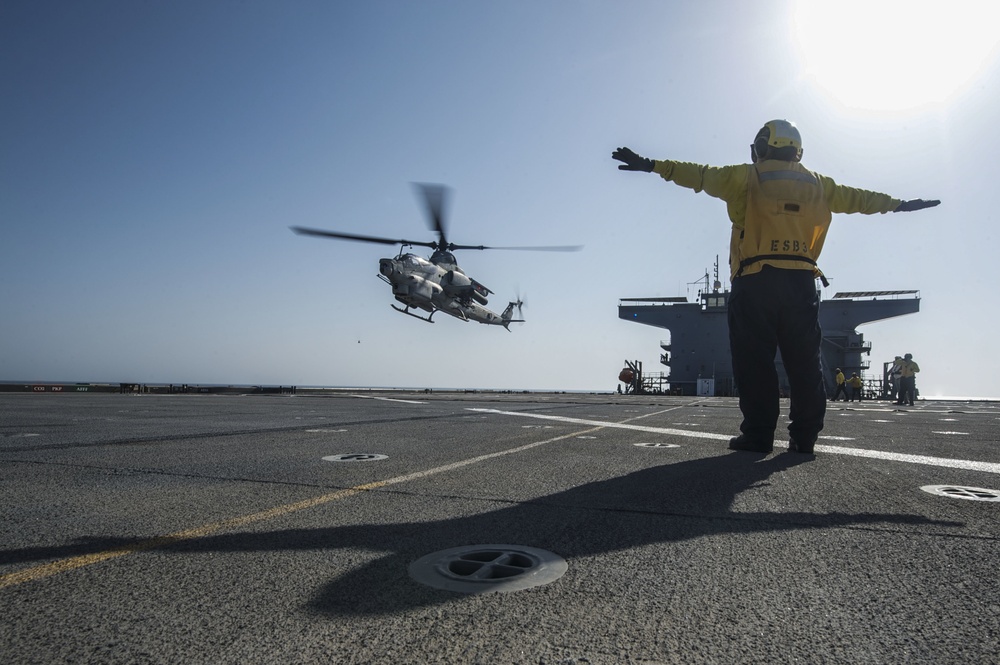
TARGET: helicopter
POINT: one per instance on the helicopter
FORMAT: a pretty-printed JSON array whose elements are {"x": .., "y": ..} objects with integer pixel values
[{"x": 437, "y": 284}]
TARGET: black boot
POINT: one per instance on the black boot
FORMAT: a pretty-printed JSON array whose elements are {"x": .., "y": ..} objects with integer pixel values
[
  {"x": 800, "y": 447},
  {"x": 743, "y": 442}
]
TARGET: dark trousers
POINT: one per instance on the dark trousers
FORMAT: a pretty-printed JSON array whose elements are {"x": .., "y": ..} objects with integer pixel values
[
  {"x": 769, "y": 310},
  {"x": 907, "y": 389},
  {"x": 841, "y": 390}
]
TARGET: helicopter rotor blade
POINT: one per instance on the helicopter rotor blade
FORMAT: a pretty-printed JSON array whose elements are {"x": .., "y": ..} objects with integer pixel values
[
  {"x": 435, "y": 198},
  {"x": 320, "y": 233},
  {"x": 545, "y": 248}
]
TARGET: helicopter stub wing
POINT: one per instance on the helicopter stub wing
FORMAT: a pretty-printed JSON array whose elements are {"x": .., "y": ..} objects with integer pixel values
[{"x": 480, "y": 288}]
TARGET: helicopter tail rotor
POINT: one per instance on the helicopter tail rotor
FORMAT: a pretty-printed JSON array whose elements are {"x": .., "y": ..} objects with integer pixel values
[
  {"x": 520, "y": 302},
  {"x": 519, "y": 306},
  {"x": 508, "y": 316}
]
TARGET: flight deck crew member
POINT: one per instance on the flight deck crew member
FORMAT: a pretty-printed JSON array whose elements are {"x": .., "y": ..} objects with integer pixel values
[
  {"x": 908, "y": 380},
  {"x": 856, "y": 383},
  {"x": 841, "y": 386},
  {"x": 895, "y": 373},
  {"x": 780, "y": 213}
]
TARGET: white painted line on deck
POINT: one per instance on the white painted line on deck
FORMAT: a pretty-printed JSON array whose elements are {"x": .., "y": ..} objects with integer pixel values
[
  {"x": 969, "y": 465},
  {"x": 604, "y": 423},
  {"x": 388, "y": 399}
]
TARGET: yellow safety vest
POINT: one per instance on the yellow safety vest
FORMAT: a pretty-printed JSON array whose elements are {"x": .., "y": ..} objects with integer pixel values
[{"x": 786, "y": 221}]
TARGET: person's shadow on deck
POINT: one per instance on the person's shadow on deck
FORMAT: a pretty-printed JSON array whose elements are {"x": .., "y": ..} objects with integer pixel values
[{"x": 661, "y": 504}]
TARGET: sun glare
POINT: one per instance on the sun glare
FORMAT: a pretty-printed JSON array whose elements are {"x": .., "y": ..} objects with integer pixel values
[{"x": 892, "y": 55}]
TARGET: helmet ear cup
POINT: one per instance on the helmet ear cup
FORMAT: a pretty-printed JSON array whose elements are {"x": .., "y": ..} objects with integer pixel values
[{"x": 760, "y": 146}]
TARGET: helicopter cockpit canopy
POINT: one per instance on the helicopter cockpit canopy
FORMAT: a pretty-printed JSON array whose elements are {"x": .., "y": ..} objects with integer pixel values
[
  {"x": 445, "y": 259},
  {"x": 415, "y": 262}
]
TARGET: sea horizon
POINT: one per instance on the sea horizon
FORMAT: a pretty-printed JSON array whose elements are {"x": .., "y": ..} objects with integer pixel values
[{"x": 74, "y": 385}]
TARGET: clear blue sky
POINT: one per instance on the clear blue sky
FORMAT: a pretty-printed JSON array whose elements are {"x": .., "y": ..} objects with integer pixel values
[{"x": 154, "y": 154}]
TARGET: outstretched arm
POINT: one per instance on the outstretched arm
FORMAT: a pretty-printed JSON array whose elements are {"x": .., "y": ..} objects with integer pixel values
[
  {"x": 845, "y": 199},
  {"x": 728, "y": 183}
]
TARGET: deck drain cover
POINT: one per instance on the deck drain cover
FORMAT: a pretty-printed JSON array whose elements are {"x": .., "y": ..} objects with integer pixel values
[
  {"x": 657, "y": 445},
  {"x": 969, "y": 493},
  {"x": 354, "y": 457},
  {"x": 488, "y": 568}
]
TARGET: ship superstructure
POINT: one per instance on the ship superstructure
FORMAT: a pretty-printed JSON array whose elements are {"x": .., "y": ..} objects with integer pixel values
[{"x": 696, "y": 351}]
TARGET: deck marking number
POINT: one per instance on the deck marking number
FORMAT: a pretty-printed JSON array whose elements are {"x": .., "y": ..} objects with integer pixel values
[{"x": 354, "y": 457}]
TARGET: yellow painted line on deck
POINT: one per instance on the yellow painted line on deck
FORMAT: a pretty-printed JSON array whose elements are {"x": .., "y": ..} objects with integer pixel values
[{"x": 72, "y": 563}]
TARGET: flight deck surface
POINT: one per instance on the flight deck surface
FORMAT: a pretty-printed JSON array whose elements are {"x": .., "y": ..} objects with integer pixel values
[{"x": 287, "y": 529}]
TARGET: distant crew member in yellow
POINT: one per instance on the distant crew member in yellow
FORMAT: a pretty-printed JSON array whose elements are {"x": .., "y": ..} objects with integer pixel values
[
  {"x": 841, "y": 386},
  {"x": 895, "y": 374},
  {"x": 856, "y": 384},
  {"x": 908, "y": 380},
  {"x": 780, "y": 213}
]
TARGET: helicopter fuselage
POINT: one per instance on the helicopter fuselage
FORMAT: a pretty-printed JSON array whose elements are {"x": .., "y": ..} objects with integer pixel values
[{"x": 438, "y": 284}]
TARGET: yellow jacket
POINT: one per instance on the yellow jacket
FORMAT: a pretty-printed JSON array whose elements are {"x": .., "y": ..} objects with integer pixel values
[
  {"x": 910, "y": 368},
  {"x": 840, "y": 378},
  {"x": 795, "y": 192},
  {"x": 855, "y": 381}
]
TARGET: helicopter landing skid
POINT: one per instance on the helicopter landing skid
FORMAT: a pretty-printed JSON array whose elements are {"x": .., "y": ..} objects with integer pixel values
[{"x": 416, "y": 316}]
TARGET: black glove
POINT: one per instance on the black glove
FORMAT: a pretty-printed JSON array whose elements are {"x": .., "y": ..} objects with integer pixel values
[
  {"x": 633, "y": 162},
  {"x": 914, "y": 204}
]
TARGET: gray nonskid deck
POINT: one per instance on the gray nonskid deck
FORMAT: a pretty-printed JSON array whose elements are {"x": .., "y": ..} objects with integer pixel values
[{"x": 203, "y": 528}]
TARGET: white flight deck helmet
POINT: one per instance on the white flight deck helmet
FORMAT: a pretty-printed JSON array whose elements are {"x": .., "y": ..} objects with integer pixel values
[{"x": 775, "y": 135}]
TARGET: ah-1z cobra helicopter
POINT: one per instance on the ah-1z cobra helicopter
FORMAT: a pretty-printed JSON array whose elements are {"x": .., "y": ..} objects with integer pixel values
[{"x": 436, "y": 284}]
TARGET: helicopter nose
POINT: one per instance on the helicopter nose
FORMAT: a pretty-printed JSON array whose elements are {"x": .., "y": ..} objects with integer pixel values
[{"x": 385, "y": 266}]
